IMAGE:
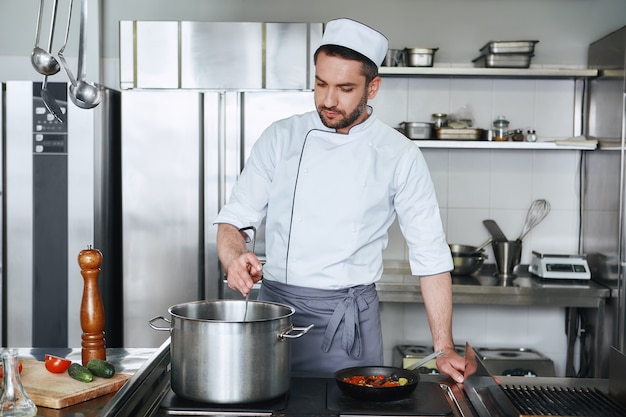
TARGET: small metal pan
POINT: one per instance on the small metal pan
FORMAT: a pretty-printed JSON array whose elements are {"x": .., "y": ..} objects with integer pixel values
[{"x": 377, "y": 393}]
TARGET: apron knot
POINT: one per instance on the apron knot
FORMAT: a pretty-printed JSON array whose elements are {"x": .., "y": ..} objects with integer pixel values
[{"x": 347, "y": 311}]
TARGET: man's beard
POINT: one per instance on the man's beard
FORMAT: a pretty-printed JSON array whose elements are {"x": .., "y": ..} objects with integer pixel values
[{"x": 346, "y": 120}]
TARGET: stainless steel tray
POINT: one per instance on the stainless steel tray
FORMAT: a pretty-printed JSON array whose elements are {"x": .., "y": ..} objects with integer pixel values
[
  {"x": 503, "y": 61},
  {"x": 458, "y": 134},
  {"x": 509, "y": 47}
]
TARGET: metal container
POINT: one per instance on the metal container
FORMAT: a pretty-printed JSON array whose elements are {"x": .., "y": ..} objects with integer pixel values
[
  {"x": 218, "y": 357},
  {"x": 417, "y": 130},
  {"x": 503, "y": 61},
  {"x": 420, "y": 57},
  {"x": 509, "y": 47},
  {"x": 459, "y": 134}
]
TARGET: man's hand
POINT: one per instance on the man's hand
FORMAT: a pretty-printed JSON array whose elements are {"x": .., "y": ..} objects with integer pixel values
[
  {"x": 243, "y": 272},
  {"x": 452, "y": 364}
]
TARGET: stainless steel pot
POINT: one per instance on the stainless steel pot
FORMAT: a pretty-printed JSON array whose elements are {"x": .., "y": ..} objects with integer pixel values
[
  {"x": 417, "y": 130},
  {"x": 218, "y": 357}
]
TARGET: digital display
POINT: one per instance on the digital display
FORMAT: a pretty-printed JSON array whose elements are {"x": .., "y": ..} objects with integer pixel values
[{"x": 565, "y": 268}]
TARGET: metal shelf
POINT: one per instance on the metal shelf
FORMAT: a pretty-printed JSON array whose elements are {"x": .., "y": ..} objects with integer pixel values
[
  {"x": 488, "y": 72},
  {"x": 482, "y": 144}
]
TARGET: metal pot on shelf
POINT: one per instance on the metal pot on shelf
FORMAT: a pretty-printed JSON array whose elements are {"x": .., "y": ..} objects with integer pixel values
[
  {"x": 219, "y": 357},
  {"x": 467, "y": 259}
]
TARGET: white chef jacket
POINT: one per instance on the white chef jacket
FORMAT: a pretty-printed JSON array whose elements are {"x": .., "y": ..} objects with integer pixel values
[{"x": 329, "y": 199}]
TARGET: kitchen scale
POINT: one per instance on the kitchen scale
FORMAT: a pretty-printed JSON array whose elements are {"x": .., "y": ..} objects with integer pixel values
[{"x": 553, "y": 266}]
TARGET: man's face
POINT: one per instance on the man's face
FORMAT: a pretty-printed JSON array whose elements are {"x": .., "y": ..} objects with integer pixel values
[{"x": 341, "y": 94}]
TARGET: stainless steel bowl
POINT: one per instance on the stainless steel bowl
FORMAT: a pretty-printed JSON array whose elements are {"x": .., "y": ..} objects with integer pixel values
[
  {"x": 467, "y": 259},
  {"x": 467, "y": 265}
]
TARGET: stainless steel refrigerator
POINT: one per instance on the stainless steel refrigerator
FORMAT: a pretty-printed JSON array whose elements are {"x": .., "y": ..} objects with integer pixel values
[
  {"x": 604, "y": 198},
  {"x": 180, "y": 154},
  {"x": 47, "y": 215}
]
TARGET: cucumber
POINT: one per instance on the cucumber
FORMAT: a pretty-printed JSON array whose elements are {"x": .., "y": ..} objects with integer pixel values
[
  {"x": 80, "y": 373},
  {"x": 101, "y": 368}
]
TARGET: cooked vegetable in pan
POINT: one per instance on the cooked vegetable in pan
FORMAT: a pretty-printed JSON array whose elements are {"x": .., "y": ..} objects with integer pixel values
[{"x": 376, "y": 381}]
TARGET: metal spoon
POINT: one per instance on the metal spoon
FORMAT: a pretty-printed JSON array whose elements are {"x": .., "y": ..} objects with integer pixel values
[
  {"x": 424, "y": 360},
  {"x": 43, "y": 62},
  {"x": 84, "y": 94}
]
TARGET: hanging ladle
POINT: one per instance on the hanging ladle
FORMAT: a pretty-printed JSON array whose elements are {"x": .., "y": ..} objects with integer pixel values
[
  {"x": 85, "y": 95},
  {"x": 43, "y": 61},
  {"x": 49, "y": 101},
  {"x": 68, "y": 71}
]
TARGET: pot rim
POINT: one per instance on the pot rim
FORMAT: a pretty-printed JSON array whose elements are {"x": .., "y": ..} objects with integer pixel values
[{"x": 221, "y": 301}]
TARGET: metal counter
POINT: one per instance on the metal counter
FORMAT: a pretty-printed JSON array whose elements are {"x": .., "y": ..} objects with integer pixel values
[
  {"x": 128, "y": 361},
  {"x": 398, "y": 285},
  {"x": 484, "y": 288}
]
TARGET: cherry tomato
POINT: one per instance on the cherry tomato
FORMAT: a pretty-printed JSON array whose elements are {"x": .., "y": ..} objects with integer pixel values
[
  {"x": 19, "y": 368},
  {"x": 56, "y": 364}
]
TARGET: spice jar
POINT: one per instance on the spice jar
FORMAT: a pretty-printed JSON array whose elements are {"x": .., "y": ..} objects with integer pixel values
[
  {"x": 518, "y": 135},
  {"x": 439, "y": 120},
  {"x": 531, "y": 136},
  {"x": 501, "y": 129}
]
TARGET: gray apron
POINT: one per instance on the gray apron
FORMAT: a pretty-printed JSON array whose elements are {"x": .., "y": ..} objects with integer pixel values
[{"x": 346, "y": 328}]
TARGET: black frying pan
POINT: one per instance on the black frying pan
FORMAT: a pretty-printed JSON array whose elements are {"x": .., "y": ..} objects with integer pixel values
[
  {"x": 381, "y": 393},
  {"x": 377, "y": 393}
]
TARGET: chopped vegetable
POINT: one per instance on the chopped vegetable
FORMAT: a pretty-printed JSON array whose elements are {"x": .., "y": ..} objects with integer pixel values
[
  {"x": 56, "y": 364},
  {"x": 375, "y": 381}
]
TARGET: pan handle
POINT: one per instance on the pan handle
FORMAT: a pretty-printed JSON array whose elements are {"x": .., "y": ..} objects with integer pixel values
[
  {"x": 302, "y": 330},
  {"x": 151, "y": 321}
]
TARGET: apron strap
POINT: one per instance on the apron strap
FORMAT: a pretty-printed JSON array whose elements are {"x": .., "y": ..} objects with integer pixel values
[{"x": 348, "y": 311}]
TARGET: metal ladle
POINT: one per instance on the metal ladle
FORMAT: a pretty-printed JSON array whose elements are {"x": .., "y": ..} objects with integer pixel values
[
  {"x": 85, "y": 95},
  {"x": 69, "y": 72},
  {"x": 43, "y": 61},
  {"x": 245, "y": 313},
  {"x": 49, "y": 101}
]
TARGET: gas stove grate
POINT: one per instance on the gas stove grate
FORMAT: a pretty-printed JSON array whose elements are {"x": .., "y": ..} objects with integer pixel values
[{"x": 562, "y": 401}]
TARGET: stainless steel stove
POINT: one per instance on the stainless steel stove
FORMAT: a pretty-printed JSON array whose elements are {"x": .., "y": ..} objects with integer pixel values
[{"x": 148, "y": 394}]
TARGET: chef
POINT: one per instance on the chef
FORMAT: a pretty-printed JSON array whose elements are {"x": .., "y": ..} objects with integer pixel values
[{"x": 329, "y": 184}]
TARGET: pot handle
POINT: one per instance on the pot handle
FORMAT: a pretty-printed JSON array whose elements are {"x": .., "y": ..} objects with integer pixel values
[
  {"x": 302, "y": 330},
  {"x": 151, "y": 321}
]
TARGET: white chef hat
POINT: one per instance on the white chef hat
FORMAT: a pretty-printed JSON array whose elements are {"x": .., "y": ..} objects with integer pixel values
[{"x": 358, "y": 37}]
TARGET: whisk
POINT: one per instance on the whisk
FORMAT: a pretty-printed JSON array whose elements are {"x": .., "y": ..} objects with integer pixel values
[{"x": 538, "y": 211}]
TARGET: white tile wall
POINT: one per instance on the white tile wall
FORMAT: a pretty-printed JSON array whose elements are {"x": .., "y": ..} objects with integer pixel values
[{"x": 473, "y": 185}]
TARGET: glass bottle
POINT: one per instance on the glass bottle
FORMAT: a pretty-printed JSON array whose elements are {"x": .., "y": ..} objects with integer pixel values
[
  {"x": 14, "y": 401},
  {"x": 501, "y": 129}
]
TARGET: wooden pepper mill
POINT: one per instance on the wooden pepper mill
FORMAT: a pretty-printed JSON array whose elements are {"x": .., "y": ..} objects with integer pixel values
[{"x": 91, "y": 308}]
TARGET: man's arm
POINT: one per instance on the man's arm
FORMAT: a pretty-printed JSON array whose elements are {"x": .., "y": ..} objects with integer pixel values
[
  {"x": 437, "y": 295},
  {"x": 242, "y": 268}
]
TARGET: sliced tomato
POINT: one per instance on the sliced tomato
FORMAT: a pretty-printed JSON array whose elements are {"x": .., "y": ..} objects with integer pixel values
[
  {"x": 19, "y": 369},
  {"x": 56, "y": 364}
]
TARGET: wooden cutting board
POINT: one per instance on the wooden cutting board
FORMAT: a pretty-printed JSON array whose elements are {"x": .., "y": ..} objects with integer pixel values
[{"x": 60, "y": 390}]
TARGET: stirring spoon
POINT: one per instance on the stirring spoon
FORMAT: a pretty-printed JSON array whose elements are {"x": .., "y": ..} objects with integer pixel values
[
  {"x": 43, "y": 61},
  {"x": 245, "y": 313}
]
